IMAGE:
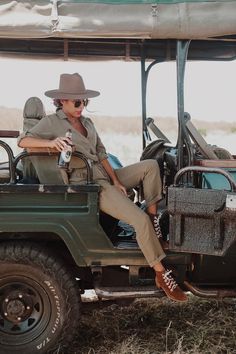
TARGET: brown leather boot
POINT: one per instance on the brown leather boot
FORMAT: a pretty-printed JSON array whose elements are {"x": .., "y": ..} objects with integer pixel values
[
  {"x": 166, "y": 282},
  {"x": 156, "y": 225}
]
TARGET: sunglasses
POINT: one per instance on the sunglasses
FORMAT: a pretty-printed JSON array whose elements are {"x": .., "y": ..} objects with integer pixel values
[{"x": 78, "y": 103}]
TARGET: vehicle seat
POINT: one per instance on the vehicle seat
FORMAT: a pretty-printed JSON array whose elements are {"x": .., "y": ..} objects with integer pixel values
[
  {"x": 155, "y": 150},
  {"x": 222, "y": 153},
  {"x": 33, "y": 112},
  {"x": 208, "y": 151}
]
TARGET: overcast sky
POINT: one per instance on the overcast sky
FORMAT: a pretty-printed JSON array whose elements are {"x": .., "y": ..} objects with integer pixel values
[{"x": 210, "y": 92}]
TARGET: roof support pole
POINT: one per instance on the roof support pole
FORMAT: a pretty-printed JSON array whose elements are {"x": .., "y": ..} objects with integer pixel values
[
  {"x": 143, "y": 95},
  {"x": 66, "y": 49},
  {"x": 144, "y": 78},
  {"x": 181, "y": 57}
]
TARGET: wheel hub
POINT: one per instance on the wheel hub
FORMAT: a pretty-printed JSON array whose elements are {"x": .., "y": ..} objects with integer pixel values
[
  {"x": 27, "y": 304},
  {"x": 21, "y": 307},
  {"x": 17, "y": 307}
]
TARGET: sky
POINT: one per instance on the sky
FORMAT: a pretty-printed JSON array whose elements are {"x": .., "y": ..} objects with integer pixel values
[{"x": 210, "y": 92}]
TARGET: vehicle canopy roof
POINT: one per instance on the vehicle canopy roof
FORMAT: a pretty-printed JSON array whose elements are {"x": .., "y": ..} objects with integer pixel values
[
  {"x": 118, "y": 28},
  {"x": 156, "y": 19}
]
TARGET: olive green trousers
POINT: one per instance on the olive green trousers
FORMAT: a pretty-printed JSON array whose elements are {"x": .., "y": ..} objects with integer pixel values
[{"x": 116, "y": 204}]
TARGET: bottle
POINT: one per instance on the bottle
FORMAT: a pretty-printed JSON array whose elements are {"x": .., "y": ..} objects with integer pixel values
[{"x": 66, "y": 153}]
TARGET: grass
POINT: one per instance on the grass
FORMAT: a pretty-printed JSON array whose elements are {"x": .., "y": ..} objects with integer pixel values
[
  {"x": 122, "y": 136},
  {"x": 154, "y": 326},
  {"x": 12, "y": 118}
]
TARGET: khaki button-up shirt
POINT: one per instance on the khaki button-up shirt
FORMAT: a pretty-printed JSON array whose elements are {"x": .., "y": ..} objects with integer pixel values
[{"x": 55, "y": 125}]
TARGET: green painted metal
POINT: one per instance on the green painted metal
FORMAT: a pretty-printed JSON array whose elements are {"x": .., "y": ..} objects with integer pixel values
[{"x": 72, "y": 217}]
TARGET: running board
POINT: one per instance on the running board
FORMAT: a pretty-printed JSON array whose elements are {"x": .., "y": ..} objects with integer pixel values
[{"x": 127, "y": 292}]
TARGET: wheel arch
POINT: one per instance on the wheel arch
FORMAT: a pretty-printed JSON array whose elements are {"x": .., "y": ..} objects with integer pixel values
[{"x": 55, "y": 242}]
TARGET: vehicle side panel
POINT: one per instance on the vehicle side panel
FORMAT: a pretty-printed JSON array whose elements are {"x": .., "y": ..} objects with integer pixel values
[{"x": 71, "y": 213}]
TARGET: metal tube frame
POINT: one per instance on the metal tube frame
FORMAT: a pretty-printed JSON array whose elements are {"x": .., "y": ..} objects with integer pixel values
[
  {"x": 197, "y": 169},
  {"x": 183, "y": 138},
  {"x": 13, "y": 161},
  {"x": 144, "y": 78}
]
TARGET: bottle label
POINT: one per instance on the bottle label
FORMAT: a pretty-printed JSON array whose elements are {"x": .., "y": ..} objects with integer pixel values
[{"x": 65, "y": 157}]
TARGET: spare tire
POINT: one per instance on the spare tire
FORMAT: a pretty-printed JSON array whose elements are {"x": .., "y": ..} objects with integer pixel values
[{"x": 155, "y": 150}]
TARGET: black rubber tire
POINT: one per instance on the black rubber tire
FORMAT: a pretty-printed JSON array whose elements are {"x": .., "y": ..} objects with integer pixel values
[{"x": 39, "y": 301}]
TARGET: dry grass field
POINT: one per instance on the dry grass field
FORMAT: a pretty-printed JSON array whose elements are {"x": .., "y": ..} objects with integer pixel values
[
  {"x": 153, "y": 326},
  {"x": 122, "y": 135},
  {"x": 11, "y": 118}
]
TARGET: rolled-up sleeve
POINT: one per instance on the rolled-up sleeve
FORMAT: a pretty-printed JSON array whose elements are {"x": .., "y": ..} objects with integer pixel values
[
  {"x": 101, "y": 150},
  {"x": 42, "y": 130},
  {"x": 21, "y": 136}
]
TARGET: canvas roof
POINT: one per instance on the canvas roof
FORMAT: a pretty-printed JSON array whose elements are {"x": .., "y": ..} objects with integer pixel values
[{"x": 142, "y": 19}]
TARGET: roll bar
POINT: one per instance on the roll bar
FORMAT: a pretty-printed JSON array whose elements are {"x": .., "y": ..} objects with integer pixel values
[
  {"x": 13, "y": 161},
  {"x": 196, "y": 169}
]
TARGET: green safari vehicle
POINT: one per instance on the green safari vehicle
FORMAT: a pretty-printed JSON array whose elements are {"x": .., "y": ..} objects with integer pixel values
[{"x": 54, "y": 241}]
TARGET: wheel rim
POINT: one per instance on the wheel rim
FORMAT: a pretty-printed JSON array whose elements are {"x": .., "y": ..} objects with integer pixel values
[{"x": 22, "y": 310}]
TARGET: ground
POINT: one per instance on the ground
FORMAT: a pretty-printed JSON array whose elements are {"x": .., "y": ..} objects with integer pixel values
[{"x": 153, "y": 326}]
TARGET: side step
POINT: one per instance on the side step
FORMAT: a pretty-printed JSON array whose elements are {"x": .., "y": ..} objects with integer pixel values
[{"x": 128, "y": 292}]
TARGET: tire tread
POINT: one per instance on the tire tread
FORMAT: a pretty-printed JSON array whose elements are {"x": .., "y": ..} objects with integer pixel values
[{"x": 34, "y": 254}]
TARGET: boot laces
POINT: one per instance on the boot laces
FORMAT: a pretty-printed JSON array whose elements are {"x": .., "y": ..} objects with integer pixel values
[
  {"x": 156, "y": 226},
  {"x": 170, "y": 282}
]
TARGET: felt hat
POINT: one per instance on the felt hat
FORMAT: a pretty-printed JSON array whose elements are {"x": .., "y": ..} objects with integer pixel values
[{"x": 71, "y": 87}]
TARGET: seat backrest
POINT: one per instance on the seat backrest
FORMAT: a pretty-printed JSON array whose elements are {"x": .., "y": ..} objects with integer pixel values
[
  {"x": 43, "y": 167},
  {"x": 32, "y": 113}
]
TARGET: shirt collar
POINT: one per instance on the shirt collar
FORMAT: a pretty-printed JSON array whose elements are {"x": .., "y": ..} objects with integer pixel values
[{"x": 61, "y": 114}]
